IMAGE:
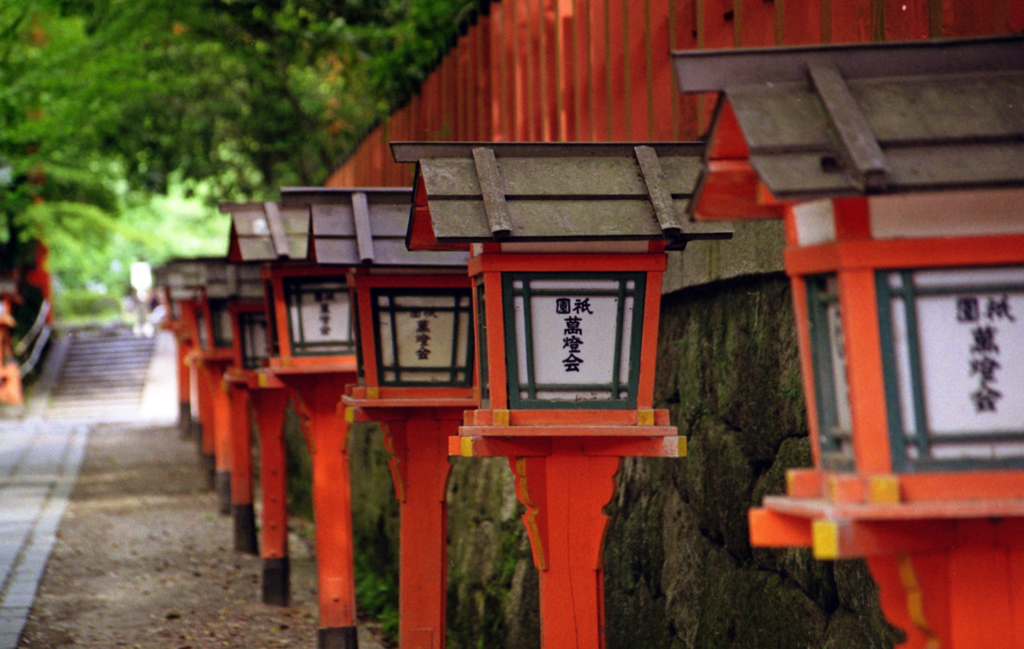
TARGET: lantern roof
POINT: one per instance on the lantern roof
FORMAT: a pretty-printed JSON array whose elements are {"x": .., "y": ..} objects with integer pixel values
[
  {"x": 495, "y": 192},
  {"x": 363, "y": 226},
  {"x": 267, "y": 232},
  {"x": 842, "y": 120},
  {"x": 220, "y": 278}
]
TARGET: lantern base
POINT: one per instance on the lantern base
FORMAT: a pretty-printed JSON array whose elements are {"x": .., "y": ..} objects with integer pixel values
[
  {"x": 222, "y": 483},
  {"x": 342, "y": 637},
  {"x": 276, "y": 582},
  {"x": 208, "y": 467},
  {"x": 185, "y": 420},
  {"x": 245, "y": 528},
  {"x": 905, "y": 488}
]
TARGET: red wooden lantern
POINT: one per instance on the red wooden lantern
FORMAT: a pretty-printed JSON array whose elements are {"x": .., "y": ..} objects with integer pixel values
[
  {"x": 184, "y": 280},
  {"x": 568, "y": 247},
  {"x": 10, "y": 372},
  {"x": 897, "y": 169},
  {"x": 215, "y": 334},
  {"x": 171, "y": 288},
  {"x": 264, "y": 233},
  {"x": 315, "y": 356},
  {"x": 414, "y": 331}
]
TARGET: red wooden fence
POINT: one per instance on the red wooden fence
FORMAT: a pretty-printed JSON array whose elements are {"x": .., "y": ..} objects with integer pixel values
[{"x": 599, "y": 70}]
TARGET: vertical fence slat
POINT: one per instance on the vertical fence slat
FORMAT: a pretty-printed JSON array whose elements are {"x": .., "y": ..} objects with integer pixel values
[
  {"x": 618, "y": 62},
  {"x": 581, "y": 69},
  {"x": 600, "y": 71},
  {"x": 567, "y": 110},
  {"x": 593, "y": 70},
  {"x": 661, "y": 82}
]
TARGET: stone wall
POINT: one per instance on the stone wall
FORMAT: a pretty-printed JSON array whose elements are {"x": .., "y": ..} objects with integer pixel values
[{"x": 679, "y": 570}]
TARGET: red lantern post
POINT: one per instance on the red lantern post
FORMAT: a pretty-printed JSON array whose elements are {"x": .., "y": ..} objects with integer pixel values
[
  {"x": 890, "y": 166},
  {"x": 315, "y": 358},
  {"x": 568, "y": 247},
  {"x": 10, "y": 372},
  {"x": 260, "y": 232},
  {"x": 170, "y": 286},
  {"x": 415, "y": 335}
]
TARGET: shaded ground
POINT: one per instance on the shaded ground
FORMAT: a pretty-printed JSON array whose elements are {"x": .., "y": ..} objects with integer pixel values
[{"x": 142, "y": 560}]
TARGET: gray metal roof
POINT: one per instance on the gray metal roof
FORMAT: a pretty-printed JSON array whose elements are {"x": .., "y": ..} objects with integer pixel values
[
  {"x": 480, "y": 192},
  {"x": 220, "y": 278},
  {"x": 267, "y": 232},
  {"x": 873, "y": 118},
  {"x": 363, "y": 226}
]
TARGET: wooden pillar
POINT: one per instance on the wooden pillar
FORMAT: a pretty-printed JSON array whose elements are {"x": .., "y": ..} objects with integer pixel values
[
  {"x": 327, "y": 436},
  {"x": 184, "y": 388},
  {"x": 241, "y": 470},
  {"x": 565, "y": 494},
  {"x": 420, "y": 468},
  {"x": 269, "y": 407},
  {"x": 220, "y": 434},
  {"x": 968, "y": 596},
  {"x": 202, "y": 400}
]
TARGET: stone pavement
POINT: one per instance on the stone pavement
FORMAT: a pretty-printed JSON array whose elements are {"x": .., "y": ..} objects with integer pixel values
[{"x": 39, "y": 462}]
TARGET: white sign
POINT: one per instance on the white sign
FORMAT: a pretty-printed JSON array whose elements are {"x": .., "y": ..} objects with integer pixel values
[
  {"x": 970, "y": 335},
  {"x": 423, "y": 331},
  {"x": 321, "y": 316},
  {"x": 573, "y": 338}
]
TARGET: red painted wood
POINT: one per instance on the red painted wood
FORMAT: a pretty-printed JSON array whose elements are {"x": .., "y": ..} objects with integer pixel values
[
  {"x": 568, "y": 110},
  {"x": 850, "y": 21},
  {"x": 565, "y": 494},
  {"x": 580, "y": 81},
  {"x": 661, "y": 82},
  {"x": 600, "y": 71},
  {"x": 757, "y": 25},
  {"x": 184, "y": 375},
  {"x": 638, "y": 106},
  {"x": 221, "y": 414},
  {"x": 269, "y": 407},
  {"x": 801, "y": 22},
  {"x": 240, "y": 439},
  {"x": 549, "y": 72},
  {"x": 618, "y": 62},
  {"x": 316, "y": 400},
  {"x": 420, "y": 469},
  {"x": 204, "y": 399},
  {"x": 970, "y": 596},
  {"x": 906, "y": 20},
  {"x": 683, "y": 35},
  {"x": 485, "y": 84}
]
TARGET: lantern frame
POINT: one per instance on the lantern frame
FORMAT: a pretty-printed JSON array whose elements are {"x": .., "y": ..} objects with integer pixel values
[
  {"x": 543, "y": 212},
  {"x": 281, "y": 278},
  {"x": 369, "y": 287},
  {"x": 894, "y": 197}
]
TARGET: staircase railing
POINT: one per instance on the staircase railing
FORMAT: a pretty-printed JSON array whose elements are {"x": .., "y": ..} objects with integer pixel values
[{"x": 36, "y": 339}]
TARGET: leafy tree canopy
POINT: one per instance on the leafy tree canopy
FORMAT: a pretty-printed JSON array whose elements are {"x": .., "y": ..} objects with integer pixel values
[{"x": 114, "y": 113}]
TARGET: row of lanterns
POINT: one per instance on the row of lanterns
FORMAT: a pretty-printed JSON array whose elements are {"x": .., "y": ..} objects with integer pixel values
[{"x": 358, "y": 305}]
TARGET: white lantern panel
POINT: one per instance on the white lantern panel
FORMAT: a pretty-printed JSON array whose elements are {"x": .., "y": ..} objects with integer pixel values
[
  {"x": 255, "y": 338},
  {"x": 837, "y": 349},
  {"x": 574, "y": 338},
  {"x": 204, "y": 337},
  {"x": 221, "y": 316},
  {"x": 957, "y": 344},
  {"x": 424, "y": 338},
  {"x": 319, "y": 317}
]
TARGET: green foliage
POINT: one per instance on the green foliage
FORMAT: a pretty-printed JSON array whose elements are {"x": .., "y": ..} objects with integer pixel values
[{"x": 106, "y": 104}]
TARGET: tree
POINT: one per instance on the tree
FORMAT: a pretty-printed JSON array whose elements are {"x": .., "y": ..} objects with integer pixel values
[{"x": 107, "y": 104}]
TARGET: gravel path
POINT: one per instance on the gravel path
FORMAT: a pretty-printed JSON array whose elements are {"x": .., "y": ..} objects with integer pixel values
[{"x": 142, "y": 560}]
